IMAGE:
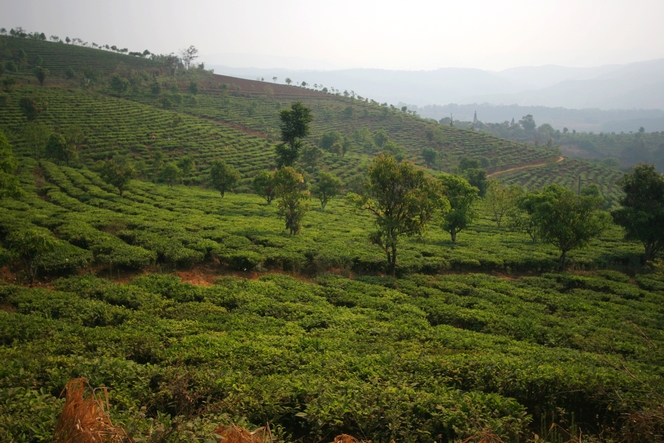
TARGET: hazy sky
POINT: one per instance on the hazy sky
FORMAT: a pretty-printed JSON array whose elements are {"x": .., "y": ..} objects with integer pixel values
[{"x": 389, "y": 34}]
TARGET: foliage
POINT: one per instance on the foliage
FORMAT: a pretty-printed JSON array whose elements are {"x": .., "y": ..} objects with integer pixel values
[
  {"x": 117, "y": 173},
  {"x": 402, "y": 200},
  {"x": 28, "y": 244},
  {"x": 30, "y": 108},
  {"x": 41, "y": 73},
  {"x": 294, "y": 126},
  {"x": 642, "y": 212},
  {"x": 311, "y": 156},
  {"x": 263, "y": 185},
  {"x": 326, "y": 188},
  {"x": 223, "y": 176},
  {"x": 462, "y": 198},
  {"x": 566, "y": 220},
  {"x": 501, "y": 199},
  {"x": 292, "y": 202},
  {"x": 170, "y": 174},
  {"x": 59, "y": 149},
  {"x": 119, "y": 85},
  {"x": 9, "y": 183}
]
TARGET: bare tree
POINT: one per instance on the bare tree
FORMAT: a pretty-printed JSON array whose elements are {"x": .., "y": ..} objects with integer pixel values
[{"x": 188, "y": 56}]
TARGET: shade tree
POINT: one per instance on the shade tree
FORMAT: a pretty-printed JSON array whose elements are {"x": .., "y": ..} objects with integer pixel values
[
  {"x": 462, "y": 197},
  {"x": 223, "y": 176},
  {"x": 264, "y": 186},
  {"x": 642, "y": 211},
  {"x": 327, "y": 187},
  {"x": 292, "y": 197},
  {"x": 403, "y": 201}
]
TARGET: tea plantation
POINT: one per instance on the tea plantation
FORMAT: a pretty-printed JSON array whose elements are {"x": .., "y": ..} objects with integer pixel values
[{"x": 196, "y": 310}]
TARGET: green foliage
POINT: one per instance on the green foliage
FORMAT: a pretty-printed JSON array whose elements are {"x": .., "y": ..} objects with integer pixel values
[
  {"x": 642, "y": 211},
  {"x": 462, "y": 198},
  {"x": 9, "y": 183},
  {"x": 501, "y": 199},
  {"x": 294, "y": 126},
  {"x": 311, "y": 156},
  {"x": 263, "y": 185},
  {"x": 326, "y": 188},
  {"x": 119, "y": 85},
  {"x": 58, "y": 149},
  {"x": 36, "y": 136},
  {"x": 402, "y": 200},
  {"x": 566, "y": 220},
  {"x": 170, "y": 174},
  {"x": 29, "y": 244},
  {"x": 117, "y": 173},
  {"x": 223, "y": 176},
  {"x": 292, "y": 198},
  {"x": 30, "y": 108},
  {"x": 41, "y": 73}
]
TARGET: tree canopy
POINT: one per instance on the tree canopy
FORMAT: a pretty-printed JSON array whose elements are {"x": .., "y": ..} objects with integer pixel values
[
  {"x": 462, "y": 197},
  {"x": 402, "y": 199},
  {"x": 9, "y": 184},
  {"x": 292, "y": 204},
  {"x": 566, "y": 220},
  {"x": 294, "y": 126},
  {"x": 223, "y": 176},
  {"x": 642, "y": 212}
]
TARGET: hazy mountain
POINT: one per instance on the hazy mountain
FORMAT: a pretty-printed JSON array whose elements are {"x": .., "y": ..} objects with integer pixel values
[{"x": 635, "y": 86}]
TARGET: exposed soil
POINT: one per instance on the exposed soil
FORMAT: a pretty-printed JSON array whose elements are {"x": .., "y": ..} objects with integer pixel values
[{"x": 525, "y": 166}]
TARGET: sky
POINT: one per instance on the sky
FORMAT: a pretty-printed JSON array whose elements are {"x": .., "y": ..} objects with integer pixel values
[{"x": 340, "y": 34}]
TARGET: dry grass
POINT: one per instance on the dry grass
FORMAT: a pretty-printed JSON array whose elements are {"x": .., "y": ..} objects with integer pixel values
[
  {"x": 84, "y": 419},
  {"x": 238, "y": 434}
]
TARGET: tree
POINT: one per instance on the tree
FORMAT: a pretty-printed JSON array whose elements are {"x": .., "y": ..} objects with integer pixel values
[
  {"x": 477, "y": 177},
  {"x": 288, "y": 81},
  {"x": 28, "y": 244},
  {"x": 294, "y": 126},
  {"x": 193, "y": 87},
  {"x": 528, "y": 123},
  {"x": 117, "y": 173},
  {"x": 566, "y": 220},
  {"x": 36, "y": 136},
  {"x": 170, "y": 174},
  {"x": 264, "y": 185},
  {"x": 223, "y": 176},
  {"x": 311, "y": 156},
  {"x": 500, "y": 199},
  {"x": 41, "y": 74},
  {"x": 186, "y": 165},
  {"x": 119, "y": 85},
  {"x": 328, "y": 139},
  {"x": 9, "y": 183},
  {"x": 59, "y": 150},
  {"x": 188, "y": 56},
  {"x": 642, "y": 212},
  {"x": 403, "y": 201},
  {"x": 10, "y": 66},
  {"x": 30, "y": 108},
  {"x": 521, "y": 214},
  {"x": 430, "y": 157},
  {"x": 327, "y": 187},
  {"x": 462, "y": 197},
  {"x": 292, "y": 197}
]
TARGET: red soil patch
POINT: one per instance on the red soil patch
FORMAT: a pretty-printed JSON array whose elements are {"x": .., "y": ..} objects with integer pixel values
[{"x": 524, "y": 166}]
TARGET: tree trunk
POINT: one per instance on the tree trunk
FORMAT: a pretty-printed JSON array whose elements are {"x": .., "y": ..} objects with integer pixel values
[
  {"x": 453, "y": 234},
  {"x": 393, "y": 262},
  {"x": 561, "y": 262}
]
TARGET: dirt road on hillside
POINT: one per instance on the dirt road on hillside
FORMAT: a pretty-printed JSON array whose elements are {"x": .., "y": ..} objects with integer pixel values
[{"x": 517, "y": 168}]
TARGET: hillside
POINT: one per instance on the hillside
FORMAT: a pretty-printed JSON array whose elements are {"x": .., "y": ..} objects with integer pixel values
[{"x": 197, "y": 310}]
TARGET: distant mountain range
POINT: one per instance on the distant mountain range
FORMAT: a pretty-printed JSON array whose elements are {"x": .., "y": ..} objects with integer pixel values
[{"x": 634, "y": 86}]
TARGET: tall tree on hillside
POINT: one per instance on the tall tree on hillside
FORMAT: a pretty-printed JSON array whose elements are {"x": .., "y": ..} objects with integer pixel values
[
  {"x": 59, "y": 150},
  {"x": 292, "y": 197},
  {"x": 500, "y": 199},
  {"x": 402, "y": 199},
  {"x": 462, "y": 197},
  {"x": 294, "y": 126},
  {"x": 9, "y": 183},
  {"x": 566, "y": 220},
  {"x": 264, "y": 185},
  {"x": 117, "y": 172},
  {"x": 188, "y": 56},
  {"x": 642, "y": 212},
  {"x": 41, "y": 73},
  {"x": 327, "y": 187},
  {"x": 223, "y": 176}
]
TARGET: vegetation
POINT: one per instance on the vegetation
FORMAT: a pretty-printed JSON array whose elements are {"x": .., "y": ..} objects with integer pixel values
[{"x": 197, "y": 312}]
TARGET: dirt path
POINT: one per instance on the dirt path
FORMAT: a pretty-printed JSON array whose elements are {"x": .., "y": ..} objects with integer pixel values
[{"x": 517, "y": 168}]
